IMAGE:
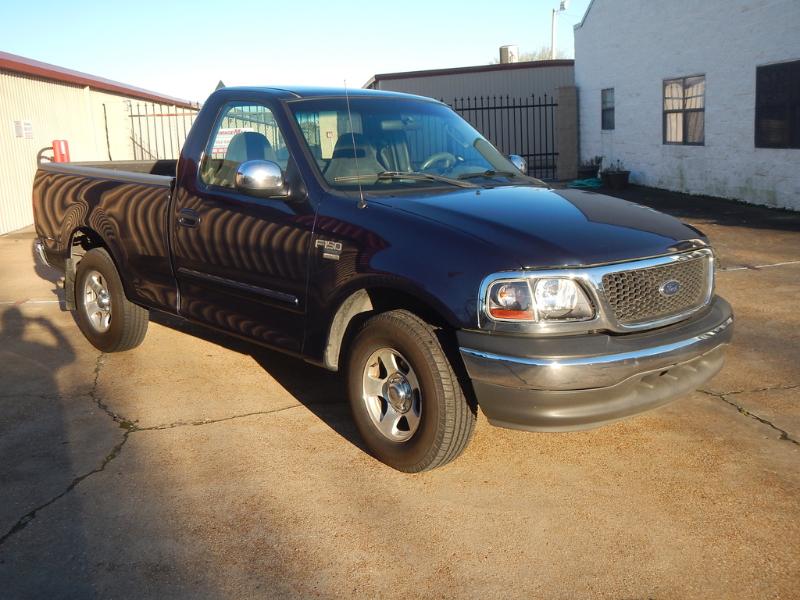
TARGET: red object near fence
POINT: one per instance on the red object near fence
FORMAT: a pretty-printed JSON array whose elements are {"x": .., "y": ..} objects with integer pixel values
[{"x": 60, "y": 151}]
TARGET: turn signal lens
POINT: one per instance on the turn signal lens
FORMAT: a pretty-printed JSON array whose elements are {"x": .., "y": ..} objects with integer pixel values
[
  {"x": 560, "y": 298},
  {"x": 510, "y": 301}
]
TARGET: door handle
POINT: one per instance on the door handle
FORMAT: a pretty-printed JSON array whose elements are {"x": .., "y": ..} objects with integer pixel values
[{"x": 188, "y": 217}]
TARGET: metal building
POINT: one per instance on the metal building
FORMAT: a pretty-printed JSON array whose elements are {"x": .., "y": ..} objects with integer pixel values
[
  {"x": 100, "y": 119},
  {"x": 516, "y": 79}
]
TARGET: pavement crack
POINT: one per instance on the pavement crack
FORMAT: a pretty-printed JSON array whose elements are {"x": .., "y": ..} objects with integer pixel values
[
  {"x": 212, "y": 421},
  {"x": 124, "y": 423},
  {"x": 24, "y": 520},
  {"x": 784, "y": 435},
  {"x": 755, "y": 391},
  {"x": 129, "y": 427}
]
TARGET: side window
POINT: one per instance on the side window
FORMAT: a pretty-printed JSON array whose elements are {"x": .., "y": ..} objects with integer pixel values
[{"x": 243, "y": 132}]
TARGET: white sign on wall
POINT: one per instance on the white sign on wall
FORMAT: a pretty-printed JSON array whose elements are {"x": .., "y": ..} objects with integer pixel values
[{"x": 23, "y": 129}]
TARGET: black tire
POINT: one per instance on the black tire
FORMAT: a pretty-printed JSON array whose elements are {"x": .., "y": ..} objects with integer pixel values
[
  {"x": 446, "y": 421},
  {"x": 127, "y": 324}
]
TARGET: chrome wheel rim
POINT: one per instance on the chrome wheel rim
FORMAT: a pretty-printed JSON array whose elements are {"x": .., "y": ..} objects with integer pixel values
[
  {"x": 97, "y": 302},
  {"x": 391, "y": 394}
]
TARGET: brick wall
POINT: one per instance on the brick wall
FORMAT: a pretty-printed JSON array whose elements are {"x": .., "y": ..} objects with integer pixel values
[{"x": 633, "y": 45}]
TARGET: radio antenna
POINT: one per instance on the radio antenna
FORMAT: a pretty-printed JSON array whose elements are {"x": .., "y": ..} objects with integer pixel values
[{"x": 361, "y": 202}]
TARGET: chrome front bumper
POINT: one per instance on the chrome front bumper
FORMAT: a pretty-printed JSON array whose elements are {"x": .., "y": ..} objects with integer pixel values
[{"x": 574, "y": 382}]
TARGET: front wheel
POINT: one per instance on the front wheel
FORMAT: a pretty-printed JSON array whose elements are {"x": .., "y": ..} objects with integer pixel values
[
  {"x": 406, "y": 400},
  {"x": 105, "y": 316}
]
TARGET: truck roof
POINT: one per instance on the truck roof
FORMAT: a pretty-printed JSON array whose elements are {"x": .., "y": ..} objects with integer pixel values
[{"x": 320, "y": 92}]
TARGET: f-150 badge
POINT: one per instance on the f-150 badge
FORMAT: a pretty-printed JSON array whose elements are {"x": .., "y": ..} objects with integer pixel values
[{"x": 330, "y": 250}]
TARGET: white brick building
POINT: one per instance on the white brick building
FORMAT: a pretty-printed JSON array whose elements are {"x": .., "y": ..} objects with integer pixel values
[{"x": 698, "y": 97}]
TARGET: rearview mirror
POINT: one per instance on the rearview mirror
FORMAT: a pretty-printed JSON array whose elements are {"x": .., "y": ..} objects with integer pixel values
[
  {"x": 519, "y": 162},
  {"x": 262, "y": 178}
]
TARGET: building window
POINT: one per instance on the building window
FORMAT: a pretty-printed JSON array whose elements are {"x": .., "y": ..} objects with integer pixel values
[
  {"x": 778, "y": 105},
  {"x": 607, "y": 104},
  {"x": 684, "y": 110}
]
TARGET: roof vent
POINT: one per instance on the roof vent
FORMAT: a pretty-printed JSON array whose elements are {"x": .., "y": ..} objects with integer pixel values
[{"x": 509, "y": 54}]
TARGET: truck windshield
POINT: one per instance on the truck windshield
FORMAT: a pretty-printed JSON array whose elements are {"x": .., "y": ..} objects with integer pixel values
[{"x": 389, "y": 143}]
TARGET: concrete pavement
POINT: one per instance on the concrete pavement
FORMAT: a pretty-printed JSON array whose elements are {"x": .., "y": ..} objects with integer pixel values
[{"x": 196, "y": 466}]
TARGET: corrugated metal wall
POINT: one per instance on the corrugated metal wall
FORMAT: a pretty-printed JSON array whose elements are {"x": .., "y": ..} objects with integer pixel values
[
  {"x": 516, "y": 83},
  {"x": 96, "y": 124}
]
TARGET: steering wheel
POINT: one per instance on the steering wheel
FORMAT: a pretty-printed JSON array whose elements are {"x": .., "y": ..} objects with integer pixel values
[{"x": 444, "y": 157}]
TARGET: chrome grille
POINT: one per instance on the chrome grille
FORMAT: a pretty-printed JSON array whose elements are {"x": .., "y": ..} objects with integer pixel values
[{"x": 637, "y": 295}]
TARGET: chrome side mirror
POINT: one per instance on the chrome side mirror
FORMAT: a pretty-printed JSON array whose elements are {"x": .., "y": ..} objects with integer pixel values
[
  {"x": 519, "y": 162},
  {"x": 260, "y": 178}
]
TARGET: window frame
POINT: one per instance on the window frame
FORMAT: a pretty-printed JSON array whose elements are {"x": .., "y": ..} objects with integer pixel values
[
  {"x": 608, "y": 109},
  {"x": 682, "y": 111},
  {"x": 792, "y": 121},
  {"x": 222, "y": 112}
]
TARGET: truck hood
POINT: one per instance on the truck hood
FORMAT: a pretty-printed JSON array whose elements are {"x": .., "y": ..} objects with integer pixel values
[{"x": 551, "y": 228}]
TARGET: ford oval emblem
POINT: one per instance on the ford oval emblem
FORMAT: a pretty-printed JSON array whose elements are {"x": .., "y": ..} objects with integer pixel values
[{"x": 669, "y": 288}]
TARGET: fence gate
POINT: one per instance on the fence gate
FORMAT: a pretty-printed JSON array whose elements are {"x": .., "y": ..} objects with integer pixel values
[
  {"x": 524, "y": 126},
  {"x": 158, "y": 131}
]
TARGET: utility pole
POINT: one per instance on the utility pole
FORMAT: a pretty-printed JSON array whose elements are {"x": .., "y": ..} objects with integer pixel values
[{"x": 553, "y": 21}]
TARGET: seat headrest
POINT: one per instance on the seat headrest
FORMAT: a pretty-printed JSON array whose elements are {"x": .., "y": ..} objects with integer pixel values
[
  {"x": 249, "y": 145},
  {"x": 353, "y": 145}
]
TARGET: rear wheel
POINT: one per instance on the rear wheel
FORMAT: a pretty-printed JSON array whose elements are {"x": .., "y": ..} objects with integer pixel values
[
  {"x": 105, "y": 316},
  {"x": 406, "y": 400}
]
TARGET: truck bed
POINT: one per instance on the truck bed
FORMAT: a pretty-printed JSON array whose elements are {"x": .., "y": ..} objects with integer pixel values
[
  {"x": 128, "y": 203},
  {"x": 154, "y": 172}
]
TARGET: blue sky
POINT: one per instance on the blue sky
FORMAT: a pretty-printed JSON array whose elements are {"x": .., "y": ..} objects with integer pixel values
[{"x": 183, "y": 49}]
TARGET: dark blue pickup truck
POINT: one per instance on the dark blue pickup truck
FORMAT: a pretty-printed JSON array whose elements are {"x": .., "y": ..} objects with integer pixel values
[{"x": 379, "y": 234}]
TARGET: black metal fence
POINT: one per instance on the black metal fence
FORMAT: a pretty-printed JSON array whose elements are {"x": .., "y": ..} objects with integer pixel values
[
  {"x": 158, "y": 131},
  {"x": 523, "y": 126}
]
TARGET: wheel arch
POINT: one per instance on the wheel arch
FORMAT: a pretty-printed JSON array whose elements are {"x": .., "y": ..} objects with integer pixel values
[
  {"x": 374, "y": 299},
  {"x": 80, "y": 241}
]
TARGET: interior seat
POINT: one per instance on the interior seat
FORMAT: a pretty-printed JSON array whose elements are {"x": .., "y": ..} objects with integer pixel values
[
  {"x": 244, "y": 146},
  {"x": 249, "y": 145},
  {"x": 394, "y": 152},
  {"x": 352, "y": 155}
]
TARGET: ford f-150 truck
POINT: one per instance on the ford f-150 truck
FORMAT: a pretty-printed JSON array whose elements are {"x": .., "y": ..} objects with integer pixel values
[{"x": 380, "y": 235}]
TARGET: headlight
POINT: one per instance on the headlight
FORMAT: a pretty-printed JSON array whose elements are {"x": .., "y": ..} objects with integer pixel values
[
  {"x": 534, "y": 300},
  {"x": 510, "y": 301},
  {"x": 561, "y": 299}
]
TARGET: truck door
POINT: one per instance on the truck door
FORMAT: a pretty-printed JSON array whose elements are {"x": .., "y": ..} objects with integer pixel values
[{"x": 241, "y": 260}]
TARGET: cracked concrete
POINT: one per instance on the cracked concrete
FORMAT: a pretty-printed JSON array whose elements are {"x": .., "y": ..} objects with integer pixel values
[
  {"x": 196, "y": 466},
  {"x": 783, "y": 434},
  {"x": 129, "y": 428}
]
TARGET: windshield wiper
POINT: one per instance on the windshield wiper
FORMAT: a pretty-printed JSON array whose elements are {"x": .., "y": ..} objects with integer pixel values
[
  {"x": 488, "y": 173},
  {"x": 509, "y": 174},
  {"x": 415, "y": 175}
]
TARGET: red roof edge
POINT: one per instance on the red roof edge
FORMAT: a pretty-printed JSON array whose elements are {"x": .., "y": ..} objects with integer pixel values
[{"x": 28, "y": 66}]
